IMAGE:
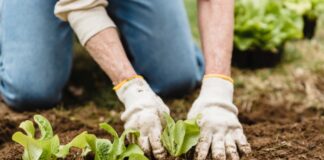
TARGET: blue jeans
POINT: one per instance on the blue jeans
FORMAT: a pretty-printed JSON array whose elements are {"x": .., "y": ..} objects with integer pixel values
[{"x": 36, "y": 49}]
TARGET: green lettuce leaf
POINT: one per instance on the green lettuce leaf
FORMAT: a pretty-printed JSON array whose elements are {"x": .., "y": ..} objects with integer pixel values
[
  {"x": 301, "y": 7},
  {"x": 309, "y": 8},
  {"x": 179, "y": 137},
  {"x": 28, "y": 127},
  {"x": 44, "y": 126},
  {"x": 44, "y": 148}
]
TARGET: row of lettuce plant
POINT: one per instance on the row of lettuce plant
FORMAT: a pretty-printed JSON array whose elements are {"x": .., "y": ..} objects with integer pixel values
[
  {"x": 311, "y": 9},
  {"x": 268, "y": 24},
  {"x": 178, "y": 137}
]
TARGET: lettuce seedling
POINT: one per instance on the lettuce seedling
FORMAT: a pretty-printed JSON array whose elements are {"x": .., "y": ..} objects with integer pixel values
[
  {"x": 179, "y": 137},
  {"x": 46, "y": 147},
  {"x": 117, "y": 150},
  {"x": 104, "y": 149},
  {"x": 80, "y": 141}
]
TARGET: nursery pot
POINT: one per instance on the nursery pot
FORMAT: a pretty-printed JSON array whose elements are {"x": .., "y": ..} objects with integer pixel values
[
  {"x": 309, "y": 27},
  {"x": 256, "y": 58}
]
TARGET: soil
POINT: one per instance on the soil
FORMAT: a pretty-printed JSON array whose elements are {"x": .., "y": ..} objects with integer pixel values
[{"x": 273, "y": 131}]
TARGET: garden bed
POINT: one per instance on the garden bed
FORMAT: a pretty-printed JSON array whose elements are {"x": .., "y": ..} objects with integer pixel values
[{"x": 274, "y": 132}]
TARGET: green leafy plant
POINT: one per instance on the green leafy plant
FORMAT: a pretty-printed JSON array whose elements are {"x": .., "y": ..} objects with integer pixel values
[
  {"x": 265, "y": 25},
  {"x": 104, "y": 149},
  {"x": 299, "y": 6},
  {"x": 179, "y": 137},
  {"x": 317, "y": 8},
  {"x": 310, "y": 8},
  {"x": 46, "y": 147}
]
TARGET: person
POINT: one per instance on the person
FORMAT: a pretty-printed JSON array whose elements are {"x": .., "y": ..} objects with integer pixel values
[{"x": 146, "y": 49}]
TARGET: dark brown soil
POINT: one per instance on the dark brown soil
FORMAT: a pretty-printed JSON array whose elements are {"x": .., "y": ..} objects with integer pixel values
[
  {"x": 278, "y": 133},
  {"x": 274, "y": 132}
]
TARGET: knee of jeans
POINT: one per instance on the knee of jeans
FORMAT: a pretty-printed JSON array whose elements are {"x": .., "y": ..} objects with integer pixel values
[
  {"x": 176, "y": 85},
  {"x": 31, "y": 97}
]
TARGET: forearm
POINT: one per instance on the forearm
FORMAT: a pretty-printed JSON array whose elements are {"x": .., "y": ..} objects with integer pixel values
[
  {"x": 107, "y": 50},
  {"x": 216, "y": 20}
]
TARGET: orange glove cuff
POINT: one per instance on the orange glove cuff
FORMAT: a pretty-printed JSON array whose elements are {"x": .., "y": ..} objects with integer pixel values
[
  {"x": 119, "y": 85},
  {"x": 227, "y": 78}
]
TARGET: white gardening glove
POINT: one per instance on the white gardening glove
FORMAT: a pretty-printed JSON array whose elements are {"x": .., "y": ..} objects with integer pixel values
[
  {"x": 143, "y": 112},
  {"x": 220, "y": 128}
]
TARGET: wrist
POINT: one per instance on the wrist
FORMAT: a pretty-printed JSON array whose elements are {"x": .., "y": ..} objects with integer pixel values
[
  {"x": 218, "y": 62},
  {"x": 211, "y": 69},
  {"x": 120, "y": 79}
]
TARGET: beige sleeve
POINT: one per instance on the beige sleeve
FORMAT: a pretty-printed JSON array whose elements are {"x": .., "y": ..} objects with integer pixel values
[{"x": 86, "y": 17}]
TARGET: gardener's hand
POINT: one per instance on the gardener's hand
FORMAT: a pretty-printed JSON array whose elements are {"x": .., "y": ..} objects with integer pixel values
[
  {"x": 144, "y": 112},
  {"x": 220, "y": 128}
]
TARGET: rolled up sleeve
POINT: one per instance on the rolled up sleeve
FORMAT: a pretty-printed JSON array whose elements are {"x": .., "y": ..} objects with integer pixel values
[{"x": 86, "y": 17}]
